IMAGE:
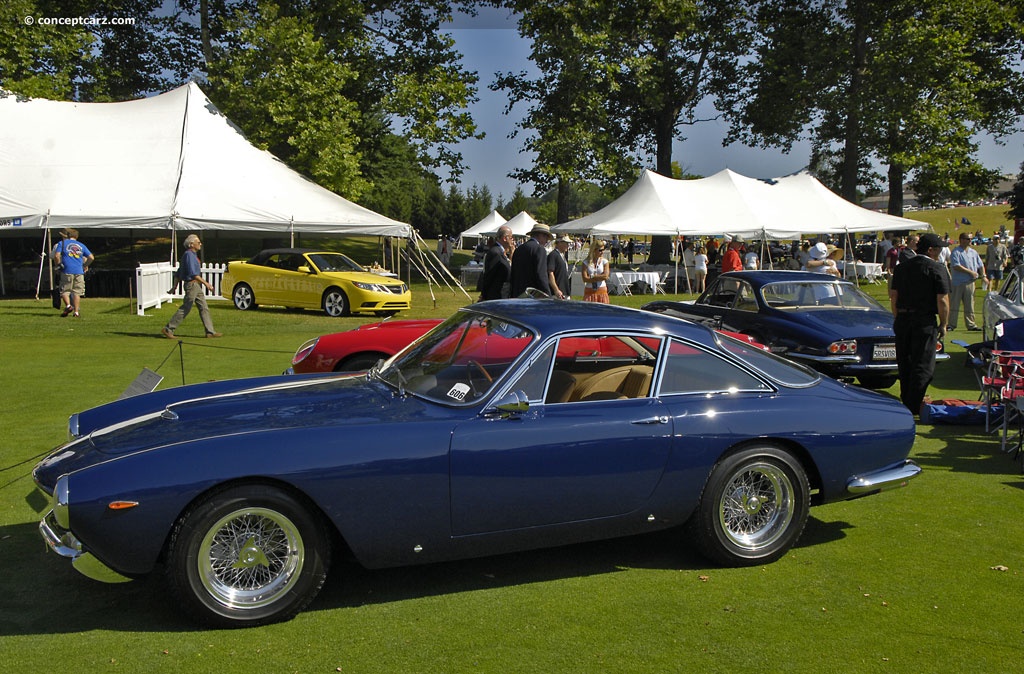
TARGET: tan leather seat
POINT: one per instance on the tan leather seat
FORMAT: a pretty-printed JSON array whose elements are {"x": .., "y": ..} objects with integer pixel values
[
  {"x": 561, "y": 387},
  {"x": 628, "y": 381}
]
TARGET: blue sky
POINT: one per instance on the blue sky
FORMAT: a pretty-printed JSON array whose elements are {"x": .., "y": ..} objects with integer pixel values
[{"x": 490, "y": 43}]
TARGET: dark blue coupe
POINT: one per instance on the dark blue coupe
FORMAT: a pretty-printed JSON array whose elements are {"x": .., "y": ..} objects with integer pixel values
[
  {"x": 817, "y": 319},
  {"x": 512, "y": 425}
]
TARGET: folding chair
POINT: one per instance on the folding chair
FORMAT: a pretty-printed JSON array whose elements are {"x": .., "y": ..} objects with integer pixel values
[
  {"x": 1002, "y": 365},
  {"x": 659, "y": 286},
  {"x": 623, "y": 286},
  {"x": 1012, "y": 398}
]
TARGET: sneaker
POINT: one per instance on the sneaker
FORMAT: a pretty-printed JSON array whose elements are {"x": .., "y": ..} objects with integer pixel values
[
  {"x": 973, "y": 328},
  {"x": 67, "y": 310},
  {"x": 214, "y": 334},
  {"x": 167, "y": 333},
  {"x": 76, "y": 314}
]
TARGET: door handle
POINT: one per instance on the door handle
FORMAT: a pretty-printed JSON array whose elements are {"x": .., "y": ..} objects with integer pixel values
[{"x": 651, "y": 420}]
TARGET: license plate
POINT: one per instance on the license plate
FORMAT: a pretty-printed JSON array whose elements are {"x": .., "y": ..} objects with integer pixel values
[{"x": 884, "y": 352}]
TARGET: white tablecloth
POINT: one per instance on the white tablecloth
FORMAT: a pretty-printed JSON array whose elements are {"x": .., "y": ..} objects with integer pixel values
[
  {"x": 866, "y": 270},
  {"x": 469, "y": 275},
  {"x": 628, "y": 277}
]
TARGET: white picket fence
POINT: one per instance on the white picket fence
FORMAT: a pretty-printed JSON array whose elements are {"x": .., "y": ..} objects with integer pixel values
[{"x": 153, "y": 280}]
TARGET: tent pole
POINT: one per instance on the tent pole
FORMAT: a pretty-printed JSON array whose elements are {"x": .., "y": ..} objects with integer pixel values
[
  {"x": 416, "y": 240},
  {"x": 43, "y": 256}
]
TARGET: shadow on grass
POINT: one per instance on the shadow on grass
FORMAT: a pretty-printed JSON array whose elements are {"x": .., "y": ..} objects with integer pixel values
[
  {"x": 967, "y": 449},
  {"x": 42, "y": 310},
  {"x": 44, "y": 595}
]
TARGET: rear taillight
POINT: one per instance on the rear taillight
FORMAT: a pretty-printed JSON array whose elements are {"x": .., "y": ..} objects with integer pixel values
[{"x": 843, "y": 347}]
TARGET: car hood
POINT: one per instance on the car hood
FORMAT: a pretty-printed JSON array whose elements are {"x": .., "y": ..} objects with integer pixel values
[
  {"x": 203, "y": 411},
  {"x": 847, "y": 323},
  {"x": 361, "y": 277}
]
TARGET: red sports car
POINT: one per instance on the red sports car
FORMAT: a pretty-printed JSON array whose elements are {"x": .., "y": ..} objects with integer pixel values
[{"x": 359, "y": 349}]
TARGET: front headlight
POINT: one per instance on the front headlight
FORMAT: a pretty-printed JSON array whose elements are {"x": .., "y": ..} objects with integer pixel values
[
  {"x": 304, "y": 351},
  {"x": 73, "y": 427},
  {"x": 60, "y": 502},
  {"x": 370, "y": 287}
]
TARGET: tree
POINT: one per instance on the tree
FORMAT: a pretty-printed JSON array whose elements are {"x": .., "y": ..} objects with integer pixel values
[
  {"x": 42, "y": 61},
  {"x": 620, "y": 81},
  {"x": 905, "y": 82},
  {"x": 367, "y": 69},
  {"x": 1017, "y": 197},
  {"x": 286, "y": 92},
  {"x": 568, "y": 123}
]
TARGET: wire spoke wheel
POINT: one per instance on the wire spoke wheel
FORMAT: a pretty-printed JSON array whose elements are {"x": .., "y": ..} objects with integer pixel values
[
  {"x": 248, "y": 555},
  {"x": 754, "y": 507},
  {"x": 250, "y": 558},
  {"x": 757, "y": 506}
]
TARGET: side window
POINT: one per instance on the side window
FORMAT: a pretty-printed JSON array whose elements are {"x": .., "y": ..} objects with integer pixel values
[
  {"x": 1010, "y": 289},
  {"x": 724, "y": 292},
  {"x": 532, "y": 381},
  {"x": 602, "y": 367},
  {"x": 745, "y": 300},
  {"x": 291, "y": 262},
  {"x": 692, "y": 370}
]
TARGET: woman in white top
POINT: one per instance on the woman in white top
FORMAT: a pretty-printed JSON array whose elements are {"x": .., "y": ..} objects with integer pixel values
[
  {"x": 700, "y": 268},
  {"x": 820, "y": 261},
  {"x": 595, "y": 274}
]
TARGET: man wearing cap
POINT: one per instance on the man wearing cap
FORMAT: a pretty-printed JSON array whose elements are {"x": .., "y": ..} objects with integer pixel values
[
  {"x": 996, "y": 258},
  {"x": 530, "y": 263},
  {"x": 558, "y": 268},
  {"x": 731, "y": 260},
  {"x": 965, "y": 267},
  {"x": 919, "y": 293}
]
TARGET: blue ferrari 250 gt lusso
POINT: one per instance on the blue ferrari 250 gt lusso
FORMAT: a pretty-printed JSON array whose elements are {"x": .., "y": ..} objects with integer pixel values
[{"x": 512, "y": 425}]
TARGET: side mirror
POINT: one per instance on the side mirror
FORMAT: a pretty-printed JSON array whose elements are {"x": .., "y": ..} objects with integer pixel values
[
  {"x": 512, "y": 404},
  {"x": 304, "y": 269}
]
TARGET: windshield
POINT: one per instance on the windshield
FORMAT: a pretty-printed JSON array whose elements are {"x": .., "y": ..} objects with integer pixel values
[
  {"x": 790, "y": 296},
  {"x": 459, "y": 361},
  {"x": 334, "y": 262}
]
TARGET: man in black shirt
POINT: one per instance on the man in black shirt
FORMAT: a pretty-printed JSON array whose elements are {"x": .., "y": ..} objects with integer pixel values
[
  {"x": 919, "y": 293},
  {"x": 558, "y": 268}
]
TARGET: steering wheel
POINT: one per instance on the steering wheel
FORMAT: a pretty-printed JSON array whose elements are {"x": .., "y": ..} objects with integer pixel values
[{"x": 474, "y": 365}]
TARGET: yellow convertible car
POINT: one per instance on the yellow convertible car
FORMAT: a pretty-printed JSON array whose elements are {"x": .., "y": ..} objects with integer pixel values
[{"x": 293, "y": 277}]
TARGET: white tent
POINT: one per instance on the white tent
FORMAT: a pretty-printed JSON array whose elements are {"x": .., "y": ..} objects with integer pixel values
[
  {"x": 730, "y": 203},
  {"x": 172, "y": 161},
  {"x": 521, "y": 224},
  {"x": 488, "y": 226}
]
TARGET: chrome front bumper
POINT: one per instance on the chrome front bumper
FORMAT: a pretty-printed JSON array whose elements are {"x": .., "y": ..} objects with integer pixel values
[
  {"x": 890, "y": 477},
  {"x": 65, "y": 544}
]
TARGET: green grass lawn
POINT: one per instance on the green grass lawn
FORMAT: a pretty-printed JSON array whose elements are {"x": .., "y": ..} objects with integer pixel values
[{"x": 901, "y": 582}]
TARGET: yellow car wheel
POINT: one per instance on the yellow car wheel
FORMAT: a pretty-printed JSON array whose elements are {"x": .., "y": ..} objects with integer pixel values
[{"x": 335, "y": 303}]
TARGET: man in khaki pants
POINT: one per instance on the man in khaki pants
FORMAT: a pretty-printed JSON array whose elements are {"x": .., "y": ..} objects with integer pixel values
[{"x": 190, "y": 273}]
